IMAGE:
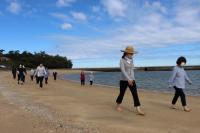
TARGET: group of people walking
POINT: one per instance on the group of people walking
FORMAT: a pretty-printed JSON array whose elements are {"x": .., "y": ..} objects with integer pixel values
[
  {"x": 40, "y": 73},
  {"x": 177, "y": 81},
  {"x": 83, "y": 78},
  {"x": 20, "y": 73}
]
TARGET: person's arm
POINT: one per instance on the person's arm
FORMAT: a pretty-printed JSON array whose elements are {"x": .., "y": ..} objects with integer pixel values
[
  {"x": 171, "y": 80},
  {"x": 122, "y": 67},
  {"x": 187, "y": 78},
  {"x": 45, "y": 72},
  {"x": 36, "y": 71}
]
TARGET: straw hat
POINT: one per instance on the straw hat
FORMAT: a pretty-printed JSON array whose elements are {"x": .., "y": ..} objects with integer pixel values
[{"x": 129, "y": 50}]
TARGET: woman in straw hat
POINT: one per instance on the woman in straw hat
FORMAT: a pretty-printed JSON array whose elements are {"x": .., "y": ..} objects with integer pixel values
[{"x": 128, "y": 79}]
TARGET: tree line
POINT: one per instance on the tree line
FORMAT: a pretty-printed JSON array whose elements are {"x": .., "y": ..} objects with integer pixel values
[{"x": 32, "y": 60}]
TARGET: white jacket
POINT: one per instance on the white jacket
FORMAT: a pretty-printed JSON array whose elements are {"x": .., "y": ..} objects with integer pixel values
[{"x": 40, "y": 71}]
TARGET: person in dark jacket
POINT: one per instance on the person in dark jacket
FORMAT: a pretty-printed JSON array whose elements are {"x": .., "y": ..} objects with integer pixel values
[
  {"x": 55, "y": 75},
  {"x": 14, "y": 72}
]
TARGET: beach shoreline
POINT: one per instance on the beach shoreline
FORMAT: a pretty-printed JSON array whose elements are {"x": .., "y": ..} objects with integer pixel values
[{"x": 92, "y": 109}]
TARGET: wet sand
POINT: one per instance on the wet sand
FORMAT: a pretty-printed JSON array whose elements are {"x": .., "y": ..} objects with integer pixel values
[{"x": 65, "y": 106}]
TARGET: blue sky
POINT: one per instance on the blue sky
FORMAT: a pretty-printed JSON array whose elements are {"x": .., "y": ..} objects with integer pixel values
[{"x": 92, "y": 32}]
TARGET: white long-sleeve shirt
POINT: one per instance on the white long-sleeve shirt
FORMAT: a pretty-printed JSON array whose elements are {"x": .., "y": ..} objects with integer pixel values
[
  {"x": 40, "y": 71},
  {"x": 126, "y": 66},
  {"x": 179, "y": 77}
]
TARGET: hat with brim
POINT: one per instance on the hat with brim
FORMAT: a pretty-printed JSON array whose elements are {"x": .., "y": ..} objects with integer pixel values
[{"x": 129, "y": 50}]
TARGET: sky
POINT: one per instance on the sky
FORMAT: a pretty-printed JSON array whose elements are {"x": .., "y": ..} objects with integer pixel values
[{"x": 92, "y": 32}]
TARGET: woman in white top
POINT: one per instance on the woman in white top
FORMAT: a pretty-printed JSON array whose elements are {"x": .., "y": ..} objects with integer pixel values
[
  {"x": 128, "y": 79},
  {"x": 40, "y": 72}
]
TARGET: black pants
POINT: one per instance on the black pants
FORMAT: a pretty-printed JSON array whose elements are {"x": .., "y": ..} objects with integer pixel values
[
  {"x": 23, "y": 78},
  {"x": 133, "y": 89},
  {"x": 31, "y": 77},
  {"x": 46, "y": 80},
  {"x": 14, "y": 75},
  {"x": 55, "y": 77},
  {"x": 37, "y": 79},
  {"x": 41, "y": 81},
  {"x": 82, "y": 82},
  {"x": 179, "y": 92},
  {"x": 91, "y": 82}
]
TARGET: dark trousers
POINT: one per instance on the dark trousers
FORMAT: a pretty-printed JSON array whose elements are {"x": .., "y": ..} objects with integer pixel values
[
  {"x": 179, "y": 92},
  {"x": 82, "y": 82},
  {"x": 23, "y": 78},
  {"x": 37, "y": 79},
  {"x": 41, "y": 81},
  {"x": 55, "y": 77},
  {"x": 46, "y": 80},
  {"x": 91, "y": 82},
  {"x": 14, "y": 75},
  {"x": 133, "y": 89},
  {"x": 31, "y": 77},
  {"x": 20, "y": 77}
]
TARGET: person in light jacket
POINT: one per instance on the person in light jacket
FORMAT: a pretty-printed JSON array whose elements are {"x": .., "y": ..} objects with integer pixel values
[
  {"x": 32, "y": 72},
  {"x": 177, "y": 81},
  {"x": 128, "y": 79},
  {"x": 40, "y": 72},
  {"x": 91, "y": 78}
]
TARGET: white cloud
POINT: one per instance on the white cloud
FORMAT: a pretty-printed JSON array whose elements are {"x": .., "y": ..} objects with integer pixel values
[
  {"x": 14, "y": 7},
  {"x": 64, "y": 3},
  {"x": 153, "y": 29},
  {"x": 156, "y": 5},
  {"x": 115, "y": 8},
  {"x": 79, "y": 16},
  {"x": 60, "y": 16},
  {"x": 96, "y": 8},
  {"x": 66, "y": 26}
]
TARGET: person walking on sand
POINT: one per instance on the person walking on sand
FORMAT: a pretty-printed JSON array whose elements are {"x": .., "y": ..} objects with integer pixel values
[
  {"x": 91, "y": 78},
  {"x": 40, "y": 72},
  {"x": 32, "y": 72},
  {"x": 128, "y": 79},
  {"x": 21, "y": 74},
  {"x": 55, "y": 75},
  {"x": 14, "y": 72},
  {"x": 82, "y": 78},
  {"x": 46, "y": 76},
  {"x": 24, "y": 69},
  {"x": 177, "y": 80}
]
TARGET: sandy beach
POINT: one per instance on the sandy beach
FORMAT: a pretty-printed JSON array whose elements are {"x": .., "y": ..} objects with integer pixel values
[{"x": 66, "y": 107}]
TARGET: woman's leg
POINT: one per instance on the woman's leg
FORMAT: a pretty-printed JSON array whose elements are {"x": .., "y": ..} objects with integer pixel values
[
  {"x": 134, "y": 93},
  {"x": 41, "y": 80},
  {"x": 136, "y": 100},
  {"x": 176, "y": 95},
  {"x": 183, "y": 101},
  {"x": 123, "y": 86}
]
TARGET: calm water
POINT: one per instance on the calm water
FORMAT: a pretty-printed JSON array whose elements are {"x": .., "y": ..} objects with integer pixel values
[{"x": 153, "y": 81}]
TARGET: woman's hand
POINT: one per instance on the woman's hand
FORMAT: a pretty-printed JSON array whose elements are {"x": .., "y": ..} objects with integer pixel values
[{"x": 130, "y": 82}]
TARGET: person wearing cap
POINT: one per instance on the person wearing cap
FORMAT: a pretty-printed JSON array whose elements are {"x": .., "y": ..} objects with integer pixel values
[
  {"x": 177, "y": 81},
  {"x": 128, "y": 79}
]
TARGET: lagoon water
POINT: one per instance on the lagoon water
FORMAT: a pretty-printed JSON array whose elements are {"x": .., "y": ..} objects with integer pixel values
[{"x": 147, "y": 80}]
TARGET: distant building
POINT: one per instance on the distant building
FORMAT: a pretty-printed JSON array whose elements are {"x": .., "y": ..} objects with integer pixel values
[{"x": 3, "y": 59}]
